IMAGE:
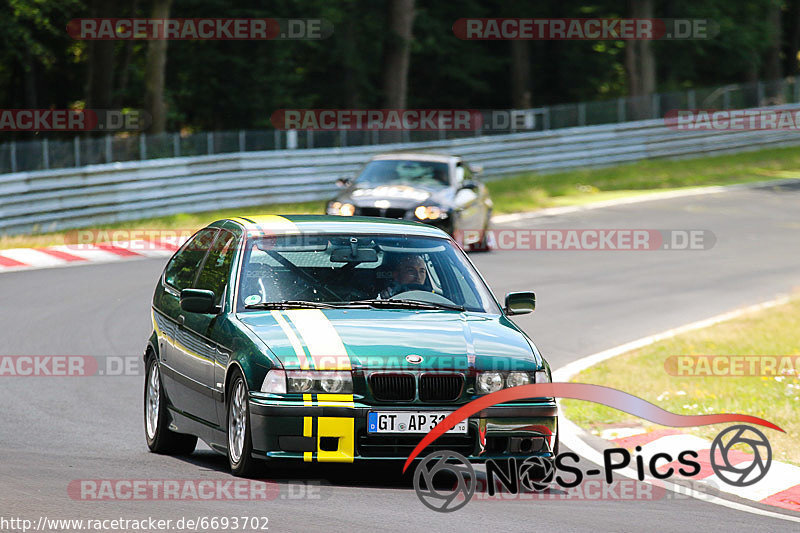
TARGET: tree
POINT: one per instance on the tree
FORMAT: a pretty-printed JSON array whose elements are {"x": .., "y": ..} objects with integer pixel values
[
  {"x": 100, "y": 63},
  {"x": 640, "y": 64},
  {"x": 520, "y": 75},
  {"x": 773, "y": 71},
  {"x": 400, "y": 23},
  {"x": 154, "y": 72}
]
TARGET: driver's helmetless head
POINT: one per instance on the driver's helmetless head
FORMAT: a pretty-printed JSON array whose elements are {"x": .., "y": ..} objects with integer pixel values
[{"x": 410, "y": 269}]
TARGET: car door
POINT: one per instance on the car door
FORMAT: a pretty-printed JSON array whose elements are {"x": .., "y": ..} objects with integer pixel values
[
  {"x": 201, "y": 350},
  {"x": 178, "y": 366}
]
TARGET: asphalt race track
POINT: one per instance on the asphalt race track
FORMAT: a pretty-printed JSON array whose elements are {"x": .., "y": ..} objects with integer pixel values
[{"x": 56, "y": 430}]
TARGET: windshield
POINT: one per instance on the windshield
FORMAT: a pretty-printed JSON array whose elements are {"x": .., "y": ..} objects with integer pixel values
[
  {"x": 417, "y": 173},
  {"x": 376, "y": 270}
]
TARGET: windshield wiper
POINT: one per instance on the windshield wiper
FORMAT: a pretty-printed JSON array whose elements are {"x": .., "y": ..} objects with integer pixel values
[
  {"x": 399, "y": 303},
  {"x": 290, "y": 304}
]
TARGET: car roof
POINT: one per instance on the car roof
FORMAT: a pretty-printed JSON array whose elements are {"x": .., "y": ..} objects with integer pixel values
[
  {"x": 416, "y": 156},
  {"x": 329, "y": 224}
]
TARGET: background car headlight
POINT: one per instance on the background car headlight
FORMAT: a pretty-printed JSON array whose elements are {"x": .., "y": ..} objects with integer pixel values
[
  {"x": 429, "y": 212},
  {"x": 338, "y": 208},
  {"x": 489, "y": 382},
  {"x": 274, "y": 382},
  {"x": 515, "y": 379}
]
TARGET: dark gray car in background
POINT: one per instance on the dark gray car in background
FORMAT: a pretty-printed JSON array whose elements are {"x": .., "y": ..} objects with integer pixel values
[{"x": 441, "y": 190}]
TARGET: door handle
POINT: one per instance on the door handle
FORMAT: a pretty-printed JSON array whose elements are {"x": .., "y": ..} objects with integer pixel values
[{"x": 181, "y": 319}]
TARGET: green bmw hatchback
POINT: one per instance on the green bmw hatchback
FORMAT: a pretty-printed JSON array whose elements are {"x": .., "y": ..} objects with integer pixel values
[{"x": 330, "y": 339}]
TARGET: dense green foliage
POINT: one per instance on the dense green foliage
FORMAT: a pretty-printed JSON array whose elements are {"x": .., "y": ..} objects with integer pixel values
[{"x": 238, "y": 84}]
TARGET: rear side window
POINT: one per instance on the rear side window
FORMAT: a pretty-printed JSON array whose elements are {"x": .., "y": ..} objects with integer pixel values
[
  {"x": 182, "y": 269},
  {"x": 214, "y": 276}
]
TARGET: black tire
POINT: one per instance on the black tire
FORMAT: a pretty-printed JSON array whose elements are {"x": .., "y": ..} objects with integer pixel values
[
  {"x": 245, "y": 465},
  {"x": 160, "y": 439}
]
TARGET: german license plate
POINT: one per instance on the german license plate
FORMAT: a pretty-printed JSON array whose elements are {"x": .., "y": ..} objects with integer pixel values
[{"x": 408, "y": 422}]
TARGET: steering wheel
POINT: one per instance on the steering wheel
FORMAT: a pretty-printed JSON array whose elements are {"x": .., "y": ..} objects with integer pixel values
[{"x": 408, "y": 287}]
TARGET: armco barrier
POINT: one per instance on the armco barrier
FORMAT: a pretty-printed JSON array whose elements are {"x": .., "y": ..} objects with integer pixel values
[{"x": 52, "y": 200}]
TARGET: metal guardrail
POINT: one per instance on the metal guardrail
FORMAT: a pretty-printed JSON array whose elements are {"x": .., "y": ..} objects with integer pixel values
[{"x": 52, "y": 200}]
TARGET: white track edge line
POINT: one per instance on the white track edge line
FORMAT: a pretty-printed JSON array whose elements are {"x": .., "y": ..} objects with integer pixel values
[{"x": 639, "y": 198}]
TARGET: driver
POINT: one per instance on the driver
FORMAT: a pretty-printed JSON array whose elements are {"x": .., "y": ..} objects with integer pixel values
[{"x": 409, "y": 269}]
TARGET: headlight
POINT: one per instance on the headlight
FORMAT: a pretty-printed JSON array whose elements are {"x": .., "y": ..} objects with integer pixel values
[
  {"x": 335, "y": 382},
  {"x": 310, "y": 382},
  {"x": 338, "y": 208},
  {"x": 429, "y": 212},
  {"x": 300, "y": 381},
  {"x": 489, "y": 382},
  {"x": 275, "y": 382},
  {"x": 515, "y": 379}
]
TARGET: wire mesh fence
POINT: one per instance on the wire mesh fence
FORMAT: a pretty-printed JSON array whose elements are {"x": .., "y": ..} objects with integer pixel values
[{"x": 82, "y": 149}]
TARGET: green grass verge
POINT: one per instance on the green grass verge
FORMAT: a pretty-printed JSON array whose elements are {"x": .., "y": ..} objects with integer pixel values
[
  {"x": 774, "y": 331},
  {"x": 531, "y": 191}
]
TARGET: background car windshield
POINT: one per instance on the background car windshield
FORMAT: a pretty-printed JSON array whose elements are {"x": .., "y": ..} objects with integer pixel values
[
  {"x": 419, "y": 173},
  {"x": 344, "y": 268}
]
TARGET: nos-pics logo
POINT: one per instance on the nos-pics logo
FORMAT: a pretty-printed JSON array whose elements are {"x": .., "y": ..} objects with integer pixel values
[{"x": 445, "y": 481}]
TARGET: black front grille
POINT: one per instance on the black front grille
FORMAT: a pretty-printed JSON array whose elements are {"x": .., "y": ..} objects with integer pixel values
[
  {"x": 369, "y": 211},
  {"x": 394, "y": 212},
  {"x": 372, "y": 445},
  {"x": 392, "y": 387},
  {"x": 440, "y": 387},
  {"x": 391, "y": 212}
]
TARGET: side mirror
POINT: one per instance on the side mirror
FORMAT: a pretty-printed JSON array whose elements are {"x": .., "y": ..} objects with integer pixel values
[
  {"x": 520, "y": 303},
  {"x": 344, "y": 182},
  {"x": 199, "y": 301}
]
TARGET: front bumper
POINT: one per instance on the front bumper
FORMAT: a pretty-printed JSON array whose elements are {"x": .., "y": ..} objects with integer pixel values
[{"x": 325, "y": 429}]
